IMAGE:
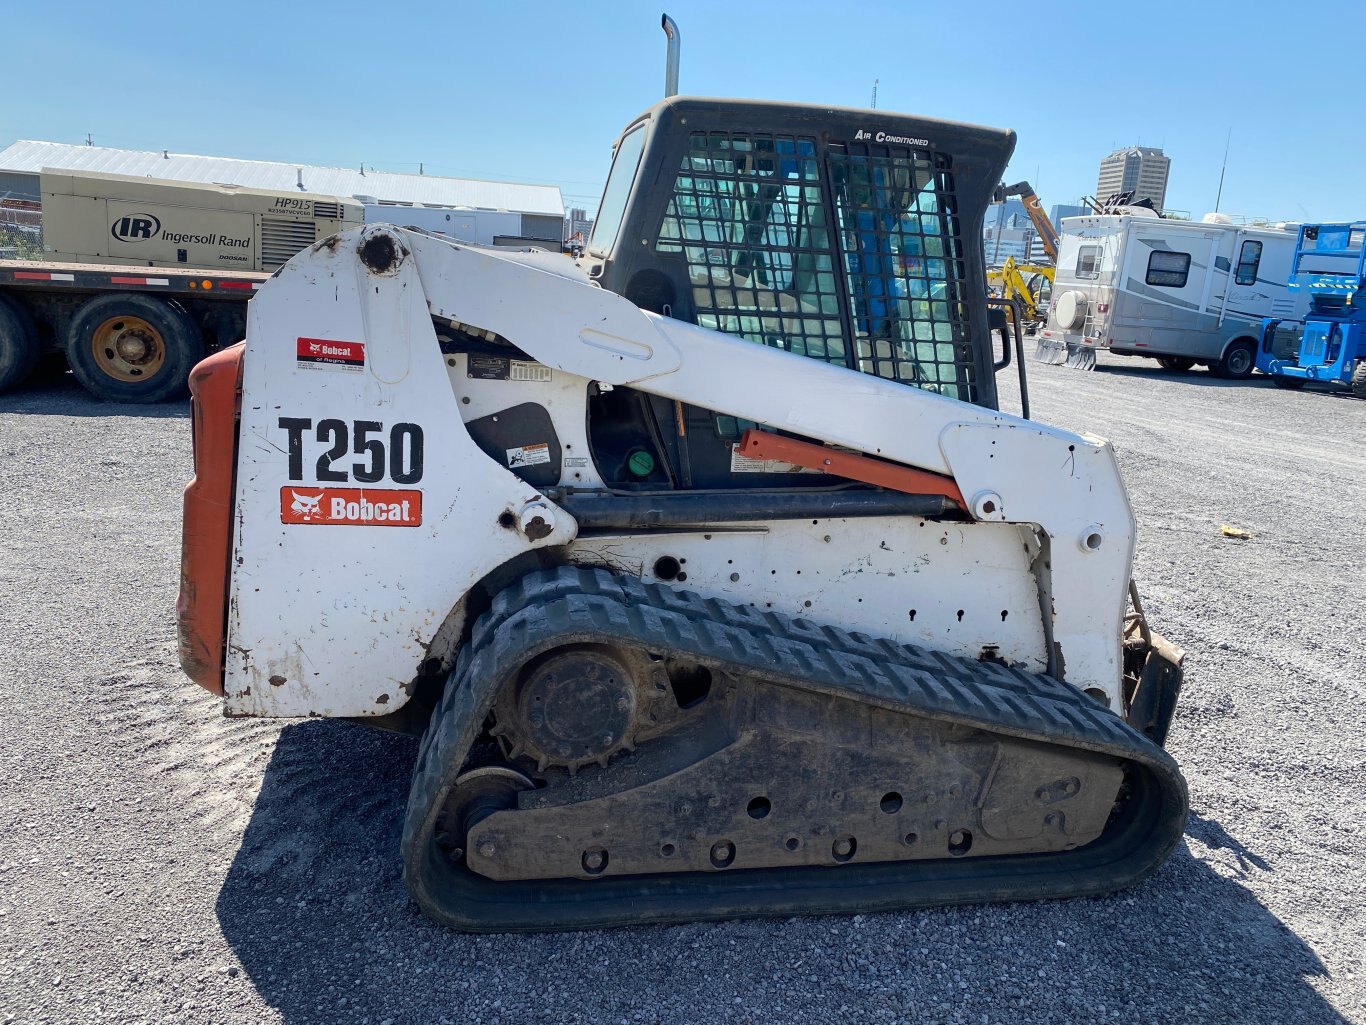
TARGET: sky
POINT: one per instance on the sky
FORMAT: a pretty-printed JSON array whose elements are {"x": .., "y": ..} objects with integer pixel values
[{"x": 538, "y": 91}]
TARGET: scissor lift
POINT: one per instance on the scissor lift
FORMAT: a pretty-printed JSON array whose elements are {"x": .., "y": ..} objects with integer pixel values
[{"x": 1330, "y": 263}]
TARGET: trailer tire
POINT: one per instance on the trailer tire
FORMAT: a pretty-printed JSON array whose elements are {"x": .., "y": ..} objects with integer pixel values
[
  {"x": 1175, "y": 362},
  {"x": 130, "y": 347},
  {"x": 1359, "y": 379},
  {"x": 18, "y": 344},
  {"x": 1239, "y": 360}
]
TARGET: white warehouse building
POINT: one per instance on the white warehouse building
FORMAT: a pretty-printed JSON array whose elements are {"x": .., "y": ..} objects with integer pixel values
[{"x": 466, "y": 208}]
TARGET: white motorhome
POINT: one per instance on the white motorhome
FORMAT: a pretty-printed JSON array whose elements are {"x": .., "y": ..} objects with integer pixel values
[
  {"x": 464, "y": 224},
  {"x": 1180, "y": 292}
]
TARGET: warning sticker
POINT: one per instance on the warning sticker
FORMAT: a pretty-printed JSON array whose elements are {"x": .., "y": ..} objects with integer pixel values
[
  {"x": 325, "y": 354},
  {"x": 528, "y": 455},
  {"x": 520, "y": 370},
  {"x": 365, "y": 507},
  {"x": 744, "y": 464}
]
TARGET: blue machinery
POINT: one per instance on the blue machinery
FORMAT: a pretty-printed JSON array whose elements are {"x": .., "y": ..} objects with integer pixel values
[{"x": 1330, "y": 262}]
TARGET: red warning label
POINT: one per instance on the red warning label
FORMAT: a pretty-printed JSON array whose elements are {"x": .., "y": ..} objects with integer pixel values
[
  {"x": 330, "y": 355},
  {"x": 354, "y": 507}
]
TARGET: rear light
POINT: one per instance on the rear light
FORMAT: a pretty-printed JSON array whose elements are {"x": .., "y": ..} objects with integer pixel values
[{"x": 1102, "y": 307}]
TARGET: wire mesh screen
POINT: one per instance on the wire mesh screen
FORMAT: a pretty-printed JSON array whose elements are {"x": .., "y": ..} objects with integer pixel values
[
  {"x": 902, "y": 253},
  {"x": 748, "y": 215}
]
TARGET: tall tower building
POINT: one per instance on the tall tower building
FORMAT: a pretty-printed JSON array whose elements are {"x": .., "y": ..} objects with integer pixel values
[{"x": 1141, "y": 170}]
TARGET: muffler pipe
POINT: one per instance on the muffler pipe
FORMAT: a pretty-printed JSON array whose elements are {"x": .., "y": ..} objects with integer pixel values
[{"x": 671, "y": 66}]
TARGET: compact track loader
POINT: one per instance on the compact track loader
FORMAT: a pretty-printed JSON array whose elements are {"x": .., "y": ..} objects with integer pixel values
[{"x": 705, "y": 566}]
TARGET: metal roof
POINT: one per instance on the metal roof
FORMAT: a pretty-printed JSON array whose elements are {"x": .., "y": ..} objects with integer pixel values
[{"x": 27, "y": 157}]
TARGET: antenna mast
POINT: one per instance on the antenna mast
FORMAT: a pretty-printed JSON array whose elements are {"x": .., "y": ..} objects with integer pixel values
[{"x": 1220, "y": 194}]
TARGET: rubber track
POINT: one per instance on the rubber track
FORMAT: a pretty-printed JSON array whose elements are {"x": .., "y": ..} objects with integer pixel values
[{"x": 545, "y": 610}]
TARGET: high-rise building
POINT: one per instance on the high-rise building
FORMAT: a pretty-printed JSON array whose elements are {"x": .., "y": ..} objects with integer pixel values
[
  {"x": 1141, "y": 170},
  {"x": 1062, "y": 210},
  {"x": 578, "y": 223}
]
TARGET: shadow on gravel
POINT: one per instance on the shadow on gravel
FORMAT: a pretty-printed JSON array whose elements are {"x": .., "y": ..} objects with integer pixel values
[
  {"x": 64, "y": 397},
  {"x": 1200, "y": 378},
  {"x": 314, "y": 908}
]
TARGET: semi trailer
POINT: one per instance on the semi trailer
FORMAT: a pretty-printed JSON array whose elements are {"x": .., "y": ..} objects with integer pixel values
[{"x": 141, "y": 278}]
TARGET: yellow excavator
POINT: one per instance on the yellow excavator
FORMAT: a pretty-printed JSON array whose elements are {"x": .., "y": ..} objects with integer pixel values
[{"x": 1028, "y": 284}]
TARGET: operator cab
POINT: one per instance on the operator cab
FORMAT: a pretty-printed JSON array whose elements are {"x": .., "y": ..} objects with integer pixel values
[{"x": 848, "y": 236}]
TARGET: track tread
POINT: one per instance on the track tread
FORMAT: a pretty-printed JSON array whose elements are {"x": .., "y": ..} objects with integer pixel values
[{"x": 579, "y": 604}]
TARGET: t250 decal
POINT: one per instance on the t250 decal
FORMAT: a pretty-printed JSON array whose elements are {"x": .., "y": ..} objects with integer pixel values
[{"x": 395, "y": 454}]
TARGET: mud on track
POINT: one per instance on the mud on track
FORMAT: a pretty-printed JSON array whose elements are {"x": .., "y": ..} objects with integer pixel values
[{"x": 159, "y": 863}]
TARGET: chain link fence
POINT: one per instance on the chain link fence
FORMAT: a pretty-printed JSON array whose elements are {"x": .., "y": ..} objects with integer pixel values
[{"x": 21, "y": 229}]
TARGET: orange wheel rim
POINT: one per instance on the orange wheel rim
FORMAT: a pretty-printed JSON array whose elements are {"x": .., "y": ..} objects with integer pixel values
[{"x": 128, "y": 349}]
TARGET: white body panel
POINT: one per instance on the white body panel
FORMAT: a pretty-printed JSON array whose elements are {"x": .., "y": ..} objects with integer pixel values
[
  {"x": 1105, "y": 259},
  {"x": 336, "y": 618},
  {"x": 965, "y": 588}
]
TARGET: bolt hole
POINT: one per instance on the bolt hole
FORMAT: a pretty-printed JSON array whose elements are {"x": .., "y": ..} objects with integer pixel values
[
  {"x": 594, "y": 861},
  {"x": 792, "y": 843},
  {"x": 667, "y": 568},
  {"x": 1093, "y": 541},
  {"x": 890, "y": 803},
  {"x": 912, "y": 615},
  {"x": 843, "y": 848},
  {"x": 909, "y": 839},
  {"x": 960, "y": 842},
  {"x": 506, "y": 519},
  {"x": 668, "y": 850},
  {"x": 1004, "y": 613},
  {"x": 759, "y": 807},
  {"x": 722, "y": 854},
  {"x": 960, "y": 615}
]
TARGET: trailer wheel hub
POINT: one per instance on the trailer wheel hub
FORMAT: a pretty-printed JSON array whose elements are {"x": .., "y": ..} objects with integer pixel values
[{"x": 128, "y": 348}]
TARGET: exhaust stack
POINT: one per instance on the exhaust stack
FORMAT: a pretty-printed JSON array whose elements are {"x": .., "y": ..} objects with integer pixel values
[{"x": 671, "y": 67}]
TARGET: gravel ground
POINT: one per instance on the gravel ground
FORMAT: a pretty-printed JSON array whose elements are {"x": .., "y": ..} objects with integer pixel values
[{"x": 162, "y": 864}]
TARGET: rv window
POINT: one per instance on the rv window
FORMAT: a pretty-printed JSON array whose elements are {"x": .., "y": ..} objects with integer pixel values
[
  {"x": 1088, "y": 262},
  {"x": 1168, "y": 269},
  {"x": 1248, "y": 259}
]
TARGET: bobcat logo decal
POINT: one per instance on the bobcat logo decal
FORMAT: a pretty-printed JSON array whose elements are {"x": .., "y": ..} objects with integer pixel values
[{"x": 306, "y": 506}]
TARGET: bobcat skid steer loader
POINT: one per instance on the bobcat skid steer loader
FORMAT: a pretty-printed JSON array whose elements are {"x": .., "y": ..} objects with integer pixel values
[{"x": 705, "y": 566}]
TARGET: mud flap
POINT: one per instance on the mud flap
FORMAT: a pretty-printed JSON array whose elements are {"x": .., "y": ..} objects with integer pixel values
[
  {"x": 1059, "y": 353},
  {"x": 1050, "y": 350}
]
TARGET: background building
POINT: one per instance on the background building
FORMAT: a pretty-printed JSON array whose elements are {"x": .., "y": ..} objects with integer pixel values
[
  {"x": 531, "y": 211},
  {"x": 579, "y": 222},
  {"x": 1006, "y": 231},
  {"x": 1062, "y": 210},
  {"x": 1141, "y": 170}
]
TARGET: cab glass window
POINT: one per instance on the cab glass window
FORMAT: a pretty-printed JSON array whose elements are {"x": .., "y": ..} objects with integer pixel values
[
  {"x": 1248, "y": 259},
  {"x": 608, "y": 222},
  {"x": 1168, "y": 269}
]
